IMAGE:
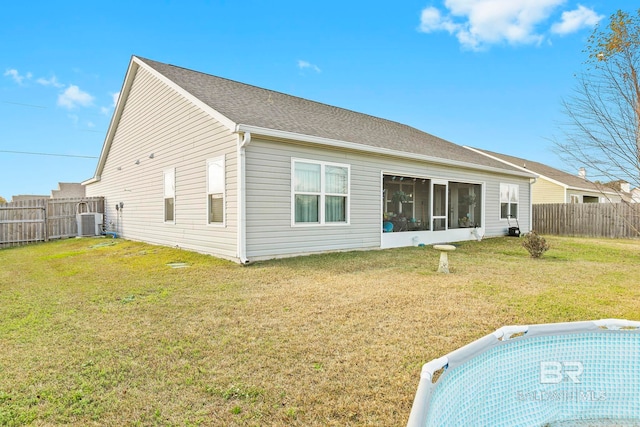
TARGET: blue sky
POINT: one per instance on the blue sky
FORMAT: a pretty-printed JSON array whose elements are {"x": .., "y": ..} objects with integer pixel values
[{"x": 485, "y": 73}]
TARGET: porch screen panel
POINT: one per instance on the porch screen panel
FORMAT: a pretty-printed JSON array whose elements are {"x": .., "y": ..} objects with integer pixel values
[
  {"x": 439, "y": 200},
  {"x": 439, "y": 207},
  {"x": 464, "y": 204}
]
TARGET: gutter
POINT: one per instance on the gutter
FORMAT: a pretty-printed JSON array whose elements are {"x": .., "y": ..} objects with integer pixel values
[
  {"x": 242, "y": 196},
  {"x": 96, "y": 178},
  {"x": 274, "y": 133}
]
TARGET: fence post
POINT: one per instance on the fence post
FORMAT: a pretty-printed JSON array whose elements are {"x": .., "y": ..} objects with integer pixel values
[{"x": 46, "y": 222}]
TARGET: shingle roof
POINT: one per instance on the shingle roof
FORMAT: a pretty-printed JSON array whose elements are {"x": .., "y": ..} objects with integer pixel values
[
  {"x": 572, "y": 181},
  {"x": 254, "y": 106}
]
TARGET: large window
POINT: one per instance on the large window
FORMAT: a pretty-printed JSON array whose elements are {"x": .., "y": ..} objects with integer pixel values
[
  {"x": 508, "y": 201},
  {"x": 169, "y": 195},
  {"x": 320, "y": 192},
  {"x": 215, "y": 190}
]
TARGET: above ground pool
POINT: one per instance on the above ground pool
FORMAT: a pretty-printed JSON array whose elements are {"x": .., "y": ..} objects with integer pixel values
[{"x": 561, "y": 374}]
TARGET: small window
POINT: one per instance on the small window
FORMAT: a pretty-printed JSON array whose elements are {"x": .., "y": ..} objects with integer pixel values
[
  {"x": 508, "y": 201},
  {"x": 215, "y": 190},
  {"x": 590, "y": 199},
  {"x": 169, "y": 195},
  {"x": 320, "y": 192},
  {"x": 574, "y": 198}
]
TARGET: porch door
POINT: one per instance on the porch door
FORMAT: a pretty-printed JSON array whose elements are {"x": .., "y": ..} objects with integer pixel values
[{"x": 439, "y": 203}]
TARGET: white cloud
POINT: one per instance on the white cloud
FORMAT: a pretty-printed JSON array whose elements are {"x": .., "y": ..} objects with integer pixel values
[
  {"x": 480, "y": 23},
  {"x": 16, "y": 76},
  {"x": 115, "y": 97},
  {"x": 73, "y": 97},
  {"x": 91, "y": 125},
  {"x": 53, "y": 81},
  {"x": 575, "y": 20},
  {"x": 305, "y": 64},
  {"x": 431, "y": 20}
]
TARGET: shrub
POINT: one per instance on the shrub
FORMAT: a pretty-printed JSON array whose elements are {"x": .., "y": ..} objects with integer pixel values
[{"x": 535, "y": 244}]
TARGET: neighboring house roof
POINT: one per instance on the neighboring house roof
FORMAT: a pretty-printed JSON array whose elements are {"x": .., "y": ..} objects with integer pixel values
[
  {"x": 246, "y": 108},
  {"x": 68, "y": 190},
  {"x": 564, "y": 179}
]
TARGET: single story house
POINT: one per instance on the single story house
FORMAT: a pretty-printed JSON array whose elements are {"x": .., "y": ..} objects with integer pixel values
[
  {"x": 556, "y": 186},
  {"x": 245, "y": 173}
]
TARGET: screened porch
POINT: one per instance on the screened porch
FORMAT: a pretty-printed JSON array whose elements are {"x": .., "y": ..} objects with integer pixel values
[{"x": 420, "y": 206}]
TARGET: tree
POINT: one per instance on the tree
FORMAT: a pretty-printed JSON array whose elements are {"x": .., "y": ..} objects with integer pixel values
[
  {"x": 2, "y": 200},
  {"x": 603, "y": 128}
]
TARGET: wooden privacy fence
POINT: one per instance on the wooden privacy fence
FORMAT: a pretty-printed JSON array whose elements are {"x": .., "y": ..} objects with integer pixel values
[
  {"x": 614, "y": 220},
  {"x": 40, "y": 220}
]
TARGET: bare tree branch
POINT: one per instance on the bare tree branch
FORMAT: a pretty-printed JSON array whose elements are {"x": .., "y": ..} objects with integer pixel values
[{"x": 602, "y": 132}]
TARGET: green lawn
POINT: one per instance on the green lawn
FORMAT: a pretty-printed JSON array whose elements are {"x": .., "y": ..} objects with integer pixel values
[{"x": 103, "y": 332}]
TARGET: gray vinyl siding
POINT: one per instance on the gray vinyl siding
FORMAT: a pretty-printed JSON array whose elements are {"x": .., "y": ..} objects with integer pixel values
[
  {"x": 180, "y": 135},
  {"x": 269, "y": 229}
]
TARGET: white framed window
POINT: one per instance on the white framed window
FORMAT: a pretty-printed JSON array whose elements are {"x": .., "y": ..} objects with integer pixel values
[
  {"x": 169, "y": 195},
  {"x": 508, "y": 201},
  {"x": 574, "y": 198},
  {"x": 216, "y": 191},
  {"x": 319, "y": 192}
]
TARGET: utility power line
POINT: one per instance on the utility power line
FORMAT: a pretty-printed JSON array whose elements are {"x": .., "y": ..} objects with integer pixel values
[
  {"x": 48, "y": 154},
  {"x": 24, "y": 105}
]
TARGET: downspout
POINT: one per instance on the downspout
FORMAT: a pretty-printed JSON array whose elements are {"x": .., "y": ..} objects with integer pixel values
[
  {"x": 242, "y": 198},
  {"x": 531, "y": 182}
]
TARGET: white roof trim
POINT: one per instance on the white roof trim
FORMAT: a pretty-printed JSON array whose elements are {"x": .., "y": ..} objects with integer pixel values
[
  {"x": 255, "y": 130},
  {"x": 537, "y": 175},
  {"x": 593, "y": 190},
  {"x": 228, "y": 123},
  {"x": 134, "y": 64},
  {"x": 91, "y": 180}
]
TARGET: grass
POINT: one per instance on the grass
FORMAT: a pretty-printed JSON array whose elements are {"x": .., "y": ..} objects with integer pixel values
[{"x": 110, "y": 334}]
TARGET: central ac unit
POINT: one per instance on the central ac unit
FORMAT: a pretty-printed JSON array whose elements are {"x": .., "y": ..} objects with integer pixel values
[{"x": 89, "y": 224}]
